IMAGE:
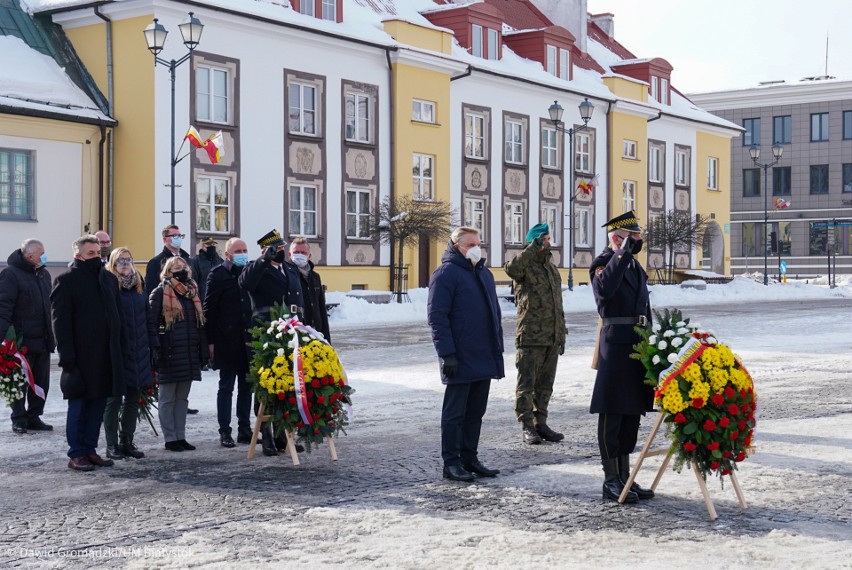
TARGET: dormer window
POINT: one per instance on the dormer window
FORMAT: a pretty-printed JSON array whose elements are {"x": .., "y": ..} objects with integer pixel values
[
  {"x": 476, "y": 41},
  {"x": 655, "y": 92},
  {"x": 329, "y": 10},
  {"x": 664, "y": 91},
  {"x": 564, "y": 64},
  {"x": 551, "y": 60},
  {"x": 493, "y": 43},
  {"x": 478, "y": 45}
]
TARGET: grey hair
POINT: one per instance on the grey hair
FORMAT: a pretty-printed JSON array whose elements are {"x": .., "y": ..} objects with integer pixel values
[
  {"x": 84, "y": 239},
  {"x": 460, "y": 231},
  {"x": 29, "y": 245}
]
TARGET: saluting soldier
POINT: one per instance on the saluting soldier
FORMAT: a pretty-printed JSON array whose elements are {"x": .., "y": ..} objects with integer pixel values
[{"x": 620, "y": 396}]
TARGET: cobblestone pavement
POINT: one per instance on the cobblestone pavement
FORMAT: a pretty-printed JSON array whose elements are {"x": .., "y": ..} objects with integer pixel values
[{"x": 232, "y": 510}]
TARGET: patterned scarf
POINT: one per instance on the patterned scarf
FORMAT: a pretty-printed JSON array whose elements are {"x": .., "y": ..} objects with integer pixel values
[
  {"x": 128, "y": 281},
  {"x": 172, "y": 309}
]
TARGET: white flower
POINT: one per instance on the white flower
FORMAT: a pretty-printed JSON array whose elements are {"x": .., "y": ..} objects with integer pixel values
[
  {"x": 680, "y": 324},
  {"x": 676, "y": 342},
  {"x": 668, "y": 333},
  {"x": 656, "y": 359},
  {"x": 265, "y": 345},
  {"x": 280, "y": 352},
  {"x": 682, "y": 330},
  {"x": 655, "y": 327},
  {"x": 672, "y": 358},
  {"x": 278, "y": 335},
  {"x": 652, "y": 339},
  {"x": 662, "y": 345},
  {"x": 270, "y": 330},
  {"x": 711, "y": 340}
]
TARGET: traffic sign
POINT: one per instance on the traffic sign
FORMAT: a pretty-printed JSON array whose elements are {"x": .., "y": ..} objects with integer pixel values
[{"x": 783, "y": 267}]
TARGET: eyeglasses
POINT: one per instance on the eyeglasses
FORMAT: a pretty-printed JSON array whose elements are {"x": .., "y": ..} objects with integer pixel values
[
  {"x": 124, "y": 261},
  {"x": 181, "y": 236},
  {"x": 105, "y": 242}
]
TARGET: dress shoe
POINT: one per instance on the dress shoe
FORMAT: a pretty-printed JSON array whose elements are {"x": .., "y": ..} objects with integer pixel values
[
  {"x": 191, "y": 411},
  {"x": 96, "y": 459},
  {"x": 531, "y": 436},
  {"x": 548, "y": 434},
  {"x": 35, "y": 424},
  {"x": 186, "y": 445},
  {"x": 478, "y": 468},
  {"x": 130, "y": 450},
  {"x": 80, "y": 464},
  {"x": 19, "y": 427},
  {"x": 244, "y": 435},
  {"x": 457, "y": 473},
  {"x": 225, "y": 439},
  {"x": 114, "y": 452},
  {"x": 174, "y": 446},
  {"x": 281, "y": 445}
]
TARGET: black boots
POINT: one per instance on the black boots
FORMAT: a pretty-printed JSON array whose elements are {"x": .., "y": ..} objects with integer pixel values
[
  {"x": 613, "y": 486},
  {"x": 225, "y": 439},
  {"x": 268, "y": 440},
  {"x": 624, "y": 475},
  {"x": 128, "y": 448}
]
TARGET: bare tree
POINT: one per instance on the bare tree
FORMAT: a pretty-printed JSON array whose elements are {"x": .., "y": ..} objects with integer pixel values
[
  {"x": 675, "y": 232},
  {"x": 405, "y": 221}
]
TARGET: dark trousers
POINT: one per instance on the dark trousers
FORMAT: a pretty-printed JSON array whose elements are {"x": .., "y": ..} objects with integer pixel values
[
  {"x": 617, "y": 434},
  {"x": 127, "y": 407},
  {"x": 461, "y": 421},
  {"x": 83, "y": 425},
  {"x": 31, "y": 406},
  {"x": 224, "y": 397}
]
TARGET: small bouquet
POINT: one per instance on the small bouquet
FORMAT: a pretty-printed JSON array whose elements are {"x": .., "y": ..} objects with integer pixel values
[
  {"x": 705, "y": 390},
  {"x": 14, "y": 369}
]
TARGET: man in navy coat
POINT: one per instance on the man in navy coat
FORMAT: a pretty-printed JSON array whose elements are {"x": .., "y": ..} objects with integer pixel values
[
  {"x": 620, "y": 396},
  {"x": 465, "y": 319}
]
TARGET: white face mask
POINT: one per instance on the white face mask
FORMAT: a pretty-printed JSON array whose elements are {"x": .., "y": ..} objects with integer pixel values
[
  {"x": 300, "y": 259},
  {"x": 474, "y": 254}
]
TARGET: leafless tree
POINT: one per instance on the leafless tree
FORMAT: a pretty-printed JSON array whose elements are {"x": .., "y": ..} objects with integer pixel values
[{"x": 675, "y": 232}]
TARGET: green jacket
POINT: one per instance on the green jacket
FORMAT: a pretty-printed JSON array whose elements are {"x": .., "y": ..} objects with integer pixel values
[{"x": 538, "y": 295}]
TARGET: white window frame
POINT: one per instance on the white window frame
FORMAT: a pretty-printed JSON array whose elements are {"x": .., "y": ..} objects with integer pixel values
[
  {"x": 664, "y": 91},
  {"x": 471, "y": 120},
  {"x": 513, "y": 229},
  {"x": 630, "y": 149},
  {"x": 423, "y": 184},
  {"x": 712, "y": 173},
  {"x": 474, "y": 215},
  {"x": 361, "y": 126},
  {"x": 628, "y": 195},
  {"x": 493, "y": 42},
  {"x": 583, "y": 153},
  {"x": 655, "y": 166},
  {"x": 476, "y": 39},
  {"x": 564, "y": 64},
  {"x": 360, "y": 219},
  {"x": 303, "y": 112},
  {"x": 584, "y": 227},
  {"x": 551, "y": 65},
  {"x": 306, "y": 7},
  {"x": 681, "y": 168},
  {"x": 514, "y": 140},
  {"x": 655, "y": 91},
  {"x": 550, "y": 215},
  {"x": 213, "y": 206},
  {"x": 300, "y": 226},
  {"x": 549, "y": 148},
  {"x": 329, "y": 10},
  {"x": 419, "y": 113},
  {"x": 210, "y": 95}
]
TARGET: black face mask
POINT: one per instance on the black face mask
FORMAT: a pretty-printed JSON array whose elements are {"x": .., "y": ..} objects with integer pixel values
[
  {"x": 210, "y": 253},
  {"x": 637, "y": 246},
  {"x": 92, "y": 264},
  {"x": 280, "y": 256},
  {"x": 182, "y": 275}
]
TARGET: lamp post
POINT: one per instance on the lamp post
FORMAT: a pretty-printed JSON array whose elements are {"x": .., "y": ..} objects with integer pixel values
[
  {"x": 155, "y": 37},
  {"x": 754, "y": 152},
  {"x": 555, "y": 111}
]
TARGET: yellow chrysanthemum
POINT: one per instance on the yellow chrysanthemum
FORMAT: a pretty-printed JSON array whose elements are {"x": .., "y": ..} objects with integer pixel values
[
  {"x": 672, "y": 401},
  {"x": 740, "y": 379},
  {"x": 692, "y": 373},
  {"x": 725, "y": 355},
  {"x": 699, "y": 390},
  {"x": 718, "y": 379}
]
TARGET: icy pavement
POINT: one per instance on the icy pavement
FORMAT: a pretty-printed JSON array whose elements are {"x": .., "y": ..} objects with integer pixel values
[{"x": 384, "y": 504}]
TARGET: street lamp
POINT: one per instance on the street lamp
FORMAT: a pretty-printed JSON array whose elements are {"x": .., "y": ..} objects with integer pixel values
[
  {"x": 155, "y": 37},
  {"x": 555, "y": 111},
  {"x": 754, "y": 152}
]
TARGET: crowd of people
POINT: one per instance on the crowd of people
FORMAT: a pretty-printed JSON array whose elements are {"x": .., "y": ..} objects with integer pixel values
[{"x": 117, "y": 333}]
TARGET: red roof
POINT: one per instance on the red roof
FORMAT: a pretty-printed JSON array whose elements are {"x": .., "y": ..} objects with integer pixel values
[
  {"x": 521, "y": 14},
  {"x": 609, "y": 43}
]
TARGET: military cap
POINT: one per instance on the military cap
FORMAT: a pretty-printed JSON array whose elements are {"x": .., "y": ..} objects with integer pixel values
[
  {"x": 271, "y": 239},
  {"x": 537, "y": 231},
  {"x": 208, "y": 241},
  {"x": 626, "y": 221}
]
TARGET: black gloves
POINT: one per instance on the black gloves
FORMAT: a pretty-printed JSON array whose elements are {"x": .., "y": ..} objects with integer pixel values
[
  {"x": 539, "y": 242},
  {"x": 629, "y": 243},
  {"x": 268, "y": 254},
  {"x": 450, "y": 365},
  {"x": 561, "y": 349},
  {"x": 155, "y": 359}
]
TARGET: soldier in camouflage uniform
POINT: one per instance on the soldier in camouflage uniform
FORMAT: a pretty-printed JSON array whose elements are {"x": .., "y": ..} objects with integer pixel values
[{"x": 540, "y": 335}]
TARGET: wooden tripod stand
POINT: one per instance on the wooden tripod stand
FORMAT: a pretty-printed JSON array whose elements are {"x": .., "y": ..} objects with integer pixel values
[{"x": 291, "y": 442}]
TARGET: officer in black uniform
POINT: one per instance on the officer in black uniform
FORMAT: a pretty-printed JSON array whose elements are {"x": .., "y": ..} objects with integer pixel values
[{"x": 620, "y": 286}]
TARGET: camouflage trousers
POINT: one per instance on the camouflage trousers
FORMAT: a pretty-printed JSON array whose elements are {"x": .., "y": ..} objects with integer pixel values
[{"x": 536, "y": 371}]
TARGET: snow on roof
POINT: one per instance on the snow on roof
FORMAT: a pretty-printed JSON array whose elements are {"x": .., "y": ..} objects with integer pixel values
[{"x": 32, "y": 80}]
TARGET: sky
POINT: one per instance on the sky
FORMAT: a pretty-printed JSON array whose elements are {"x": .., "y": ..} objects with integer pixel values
[{"x": 716, "y": 45}]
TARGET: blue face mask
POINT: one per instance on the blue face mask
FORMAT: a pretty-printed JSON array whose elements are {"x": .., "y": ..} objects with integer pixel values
[
  {"x": 240, "y": 259},
  {"x": 43, "y": 259},
  {"x": 176, "y": 241}
]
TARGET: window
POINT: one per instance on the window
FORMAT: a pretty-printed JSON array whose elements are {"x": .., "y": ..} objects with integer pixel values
[
  {"x": 847, "y": 178},
  {"x": 629, "y": 195},
  {"x": 782, "y": 129},
  {"x": 550, "y": 216},
  {"x": 629, "y": 149},
  {"x": 584, "y": 227},
  {"x": 476, "y": 41},
  {"x": 213, "y": 205},
  {"x": 493, "y": 43},
  {"x": 211, "y": 87},
  {"x": 712, "y": 173},
  {"x": 582, "y": 153},
  {"x": 514, "y": 230},
  {"x": 664, "y": 91},
  {"x": 750, "y": 239},
  {"x": 422, "y": 173},
  {"x": 752, "y": 132},
  {"x": 515, "y": 142},
  {"x": 358, "y": 117},
  {"x": 784, "y": 235},
  {"x": 303, "y": 210},
  {"x": 751, "y": 182},
  {"x": 306, "y": 7},
  {"x": 655, "y": 90},
  {"x": 549, "y": 148},
  {"x": 329, "y": 10},
  {"x": 423, "y": 111},
  {"x": 357, "y": 213},
  {"x": 303, "y": 108},
  {"x": 820, "y": 238},
  {"x": 847, "y": 125},
  {"x": 551, "y": 66},
  {"x": 564, "y": 64},
  {"x": 819, "y": 179},
  {"x": 819, "y": 127},
  {"x": 781, "y": 184},
  {"x": 474, "y": 214},
  {"x": 16, "y": 184},
  {"x": 474, "y": 135},
  {"x": 681, "y": 168},
  {"x": 655, "y": 163}
]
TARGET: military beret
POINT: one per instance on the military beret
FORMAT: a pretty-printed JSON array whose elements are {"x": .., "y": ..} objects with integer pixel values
[{"x": 536, "y": 231}]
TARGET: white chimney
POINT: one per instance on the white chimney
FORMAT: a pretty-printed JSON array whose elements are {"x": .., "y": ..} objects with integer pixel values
[
  {"x": 604, "y": 22},
  {"x": 570, "y": 14}
]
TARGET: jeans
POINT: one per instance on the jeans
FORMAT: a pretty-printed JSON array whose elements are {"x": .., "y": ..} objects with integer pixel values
[
  {"x": 174, "y": 400},
  {"x": 224, "y": 396},
  {"x": 31, "y": 406},
  {"x": 129, "y": 407},
  {"x": 83, "y": 425}
]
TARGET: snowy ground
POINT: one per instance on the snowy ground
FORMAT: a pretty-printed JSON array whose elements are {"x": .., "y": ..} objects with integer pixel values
[{"x": 384, "y": 504}]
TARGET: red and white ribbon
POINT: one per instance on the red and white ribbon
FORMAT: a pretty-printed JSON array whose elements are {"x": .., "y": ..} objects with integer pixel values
[
  {"x": 299, "y": 381},
  {"x": 28, "y": 372}
]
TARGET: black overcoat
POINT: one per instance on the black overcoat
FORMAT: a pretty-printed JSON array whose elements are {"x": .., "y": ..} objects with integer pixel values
[
  {"x": 313, "y": 295},
  {"x": 25, "y": 303},
  {"x": 183, "y": 347},
  {"x": 227, "y": 310},
  {"x": 268, "y": 285},
  {"x": 620, "y": 286}
]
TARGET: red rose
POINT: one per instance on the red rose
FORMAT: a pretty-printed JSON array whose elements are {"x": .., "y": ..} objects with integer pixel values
[
  {"x": 300, "y": 424},
  {"x": 718, "y": 400},
  {"x": 713, "y": 446},
  {"x": 680, "y": 419},
  {"x": 709, "y": 425},
  {"x": 321, "y": 400},
  {"x": 689, "y": 446},
  {"x": 714, "y": 465},
  {"x": 733, "y": 409},
  {"x": 698, "y": 403},
  {"x": 286, "y": 415},
  {"x": 743, "y": 393},
  {"x": 734, "y": 435},
  {"x": 315, "y": 383},
  {"x": 280, "y": 395},
  {"x": 316, "y": 431},
  {"x": 327, "y": 416},
  {"x": 751, "y": 415},
  {"x": 724, "y": 422},
  {"x": 292, "y": 400},
  {"x": 331, "y": 424},
  {"x": 23, "y": 350},
  {"x": 741, "y": 425},
  {"x": 726, "y": 472},
  {"x": 740, "y": 456},
  {"x": 729, "y": 392},
  {"x": 334, "y": 409},
  {"x": 727, "y": 455}
]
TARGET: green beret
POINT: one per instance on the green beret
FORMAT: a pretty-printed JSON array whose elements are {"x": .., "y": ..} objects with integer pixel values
[{"x": 537, "y": 231}]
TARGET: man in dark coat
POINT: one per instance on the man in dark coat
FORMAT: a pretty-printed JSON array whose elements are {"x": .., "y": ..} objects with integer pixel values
[
  {"x": 201, "y": 263},
  {"x": 227, "y": 310},
  {"x": 313, "y": 294},
  {"x": 468, "y": 335},
  {"x": 172, "y": 240},
  {"x": 620, "y": 396},
  {"x": 25, "y": 304},
  {"x": 87, "y": 323},
  {"x": 540, "y": 335}
]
